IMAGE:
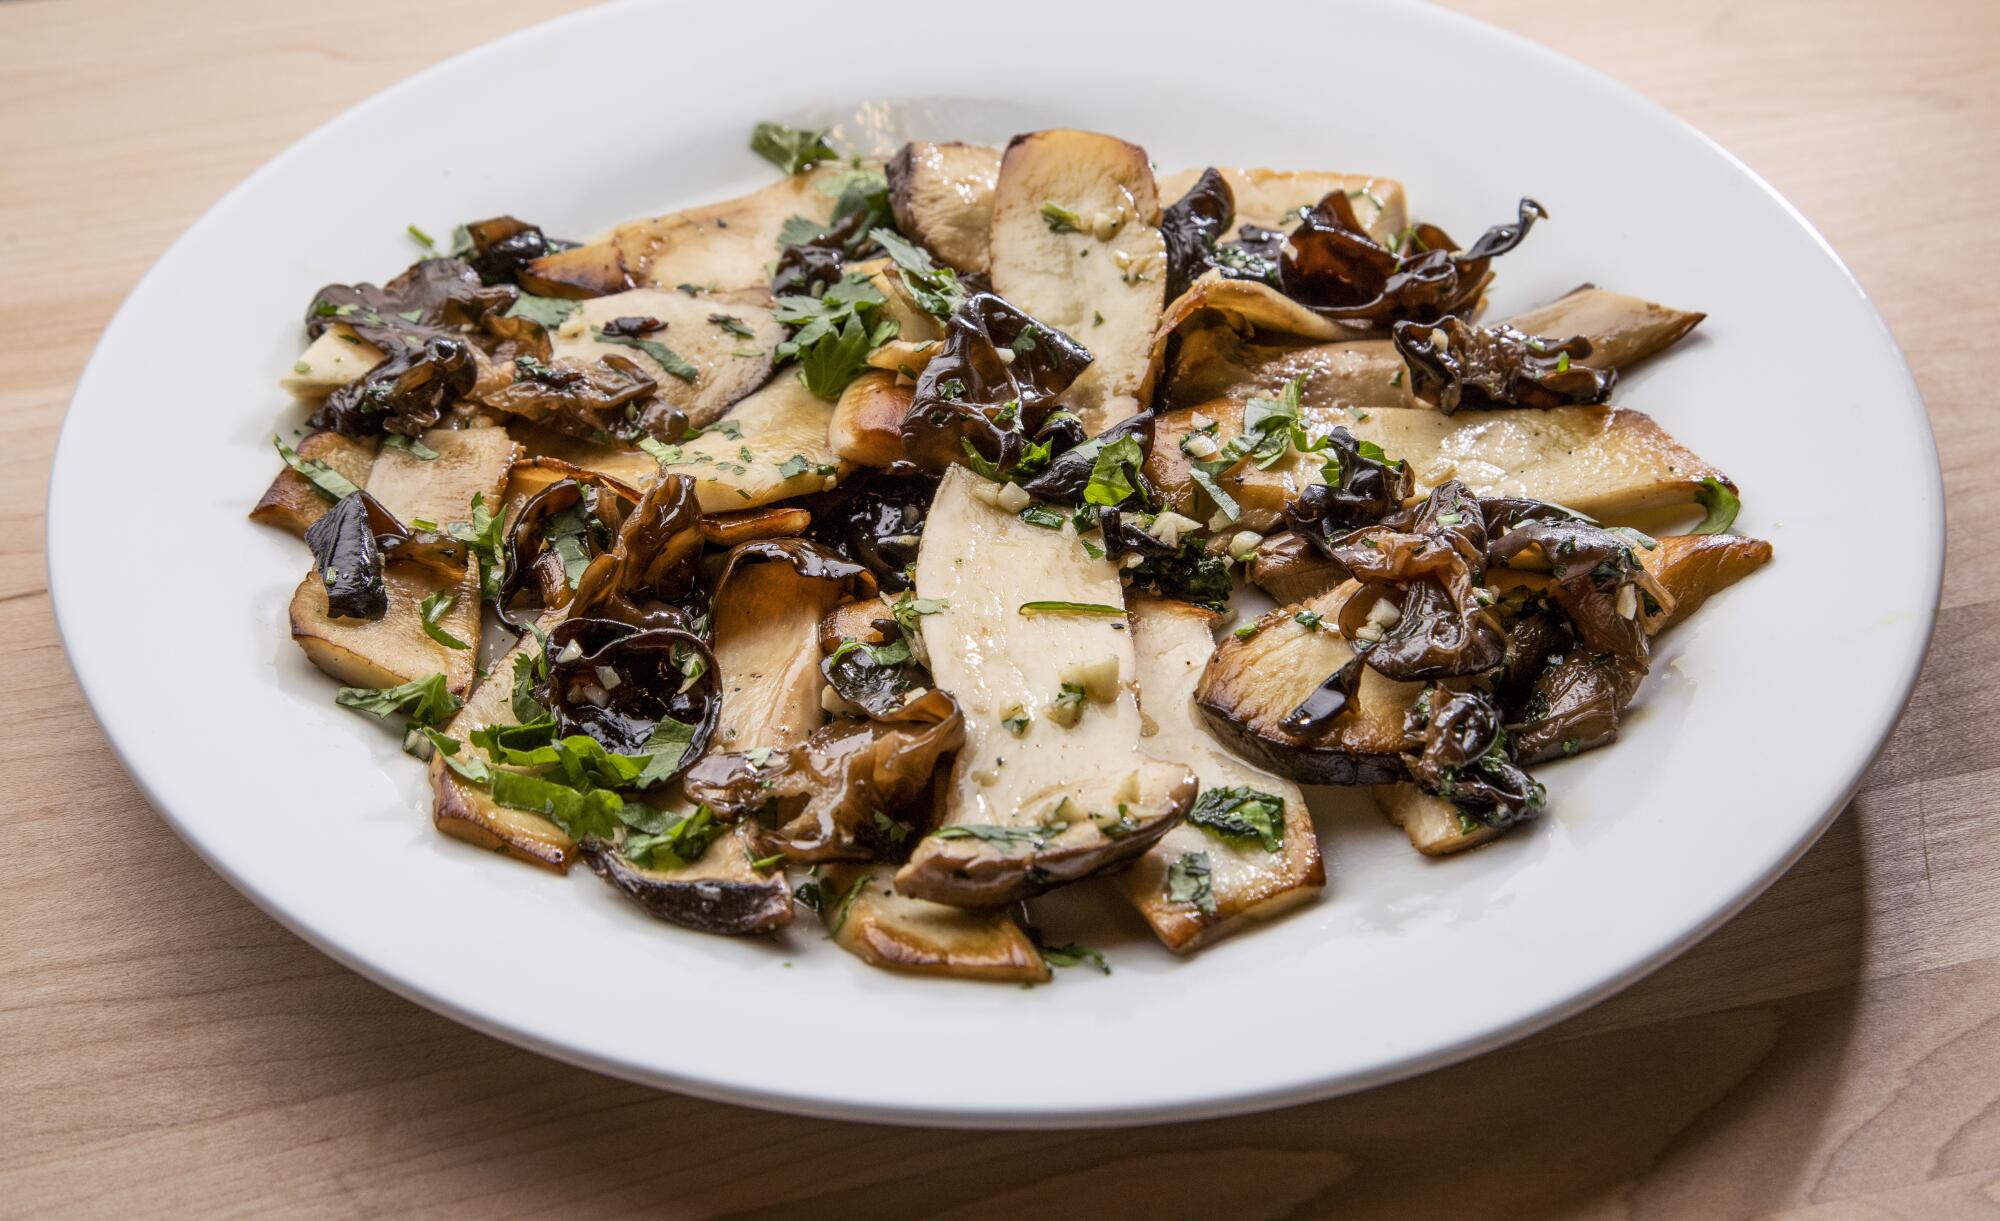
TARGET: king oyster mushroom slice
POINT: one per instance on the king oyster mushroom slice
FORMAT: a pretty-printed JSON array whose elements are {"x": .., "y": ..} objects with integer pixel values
[
  {"x": 395, "y": 649},
  {"x": 942, "y": 195},
  {"x": 866, "y": 917},
  {"x": 1072, "y": 794},
  {"x": 728, "y": 245},
  {"x": 468, "y": 812},
  {"x": 292, "y": 503},
  {"x": 772, "y": 446},
  {"x": 867, "y": 424},
  {"x": 1076, "y": 244},
  {"x": 1273, "y": 199},
  {"x": 1622, "y": 330},
  {"x": 1608, "y": 462},
  {"x": 1173, "y": 641},
  {"x": 720, "y": 366},
  {"x": 1433, "y": 824},
  {"x": 1252, "y": 683}
]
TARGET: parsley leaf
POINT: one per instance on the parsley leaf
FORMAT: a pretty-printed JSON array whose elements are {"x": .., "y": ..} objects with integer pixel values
[
  {"x": 485, "y": 536},
  {"x": 1003, "y": 837},
  {"x": 1109, "y": 482},
  {"x": 1188, "y": 881},
  {"x": 1240, "y": 813},
  {"x": 1721, "y": 503},
  {"x": 426, "y": 700},
  {"x": 551, "y": 312},
  {"x": 935, "y": 288},
  {"x": 434, "y": 608},
  {"x": 673, "y": 362},
  {"x": 410, "y": 445},
  {"x": 792, "y": 149},
  {"x": 1073, "y": 954},
  {"x": 329, "y": 482},
  {"x": 733, "y": 325},
  {"x": 1098, "y": 609},
  {"x": 1061, "y": 219}
]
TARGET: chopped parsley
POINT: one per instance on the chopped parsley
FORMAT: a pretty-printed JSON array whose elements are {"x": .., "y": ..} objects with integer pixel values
[
  {"x": 935, "y": 288},
  {"x": 1073, "y": 954},
  {"x": 411, "y": 446},
  {"x": 799, "y": 464},
  {"x": 673, "y": 362},
  {"x": 1721, "y": 504},
  {"x": 551, "y": 312},
  {"x": 733, "y": 325},
  {"x": 329, "y": 482},
  {"x": 1061, "y": 219},
  {"x": 1043, "y": 516},
  {"x": 792, "y": 149},
  {"x": 1241, "y": 812},
  {"x": 426, "y": 700},
  {"x": 1003, "y": 837},
  {"x": 1052, "y": 607},
  {"x": 1188, "y": 881},
  {"x": 1308, "y": 619},
  {"x": 434, "y": 608}
]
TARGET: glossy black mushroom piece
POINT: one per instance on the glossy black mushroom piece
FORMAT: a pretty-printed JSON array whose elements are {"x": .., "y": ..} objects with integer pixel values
[
  {"x": 649, "y": 577},
  {"x": 1453, "y": 364},
  {"x": 1360, "y": 485},
  {"x": 502, "y": 246},
  {"x": 1191, "y": 226},
  {"x": 1421, "y": 615},
  {"x": 602, "y": 399},
  {"x": 631, "y": 690},
  {"x": 1461, "y": 754},
  {"x": 876, "y": 520},
  {"x": 351, "y": 541},
  {"x": 408, "y": 392},
  {"x": 989, "y": 388},
  {"x": 1333, "y": 267},
  {"x": 556, "y": 534}
]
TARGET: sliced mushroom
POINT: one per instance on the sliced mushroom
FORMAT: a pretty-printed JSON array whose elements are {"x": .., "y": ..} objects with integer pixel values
[
  {"x": 721, "y": 893},
  {"x": 867, "y": 918},
  {"x": 1291, "y": 569},
  {"x": 632, "y": 467},
  {"x": 942, "y": 196},
  {"x": 1076, "y": 244},
  {"x": 867, "y": 425},
  {"x": 578, "y": 273},
  {"x": 1070, "y": 794},
  {"x": 1622, "y": 330},
  {"x": 1696, "y": 567},
  {"x": 1247, "y": 880},
  {"x": 728, "y": 245},
  {"x": 1219, "y": 361},
  {"x": 750, "y": 525},
  {"x": 292, "y": 502},
  {"x": 465, "y": 811},
  {"x": 1435, "y": 826},
  {"x": 395, "y": 649},
  {"x": 1273, "y": 199},
  {"x": 771, "y": 446},
  {"x": 335, "y": 358},
  {"x": 1268, "y": 671},
  {"x": 1609, "y": 462},
  {"x": 721, "y": 365},
  {"x": 768, "y": 606}
]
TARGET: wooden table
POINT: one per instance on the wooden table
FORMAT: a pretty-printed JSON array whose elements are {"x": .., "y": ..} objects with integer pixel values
[{"x": 1834, "y": 1052}]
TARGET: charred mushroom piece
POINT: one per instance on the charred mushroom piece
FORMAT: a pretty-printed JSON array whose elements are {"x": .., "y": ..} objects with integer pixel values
[
  {"x": 347, "y": 552},
  {"x": 407, "y": 393},
  {"x": 1462, "y": 755},
  {"x": 877, "y": 522},
  {"x": 556, "y": 533},
  {"x": 576, "y": 274},
  {"x": 1059, "y": 195},
  {"x": 1261, "y": 675},
  {"x": 1051, "y": 785},
  {"x": 866, "y": 917},
  {"x": 854, "y": 790},
  {"x": 431, "y": 298},
  {"x": 942, "y": 196},
  {"x": 647, "y": 578},
  {"x": 1273, "y": 199},
  {"x": 1191, "y": 226},
  {"x": 1332, "y": 266},
  {"x": 503, "y": 246},
  {"x": 989, "y": 387},
  {"x": 1576, "y": 704},
  {"x": 1291, "y": 569},
  {"x": 1453, "y": 364},
  {"x": 1254, "y": 828},
  {"x": 720, "y": 893},
  {"x": 1599, "y": 582},
  {"x": 732, "y": 529},
  {"x": 725, "y": 246}
]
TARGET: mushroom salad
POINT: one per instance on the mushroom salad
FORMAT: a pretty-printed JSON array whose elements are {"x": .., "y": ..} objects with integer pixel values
[{"x": 868, "y": 544}]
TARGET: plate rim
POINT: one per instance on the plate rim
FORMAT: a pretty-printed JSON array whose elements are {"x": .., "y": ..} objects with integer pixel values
[{"x": 824, "y": 1105}]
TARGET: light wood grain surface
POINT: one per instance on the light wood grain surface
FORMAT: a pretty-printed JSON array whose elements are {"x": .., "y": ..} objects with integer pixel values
[{"x": 166, "y": 1049}]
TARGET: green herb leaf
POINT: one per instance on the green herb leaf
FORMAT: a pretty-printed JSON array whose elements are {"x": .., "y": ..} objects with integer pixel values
[
  {"x": 422, "y": 239},
  {"x": 799, "y": 464},
  {"x": 485, "y": 536},
  {"x": 680, "y": 844},
  {"x": 1043, "y": 516},
  {"x": 551, "y": 312},
  {"x": 792, "y": 149},
  {"x": 427, "y": 700},
  {"x": 732, "y": 325},
  {"x": 1189, "y": 881},
  {"x": 1061, "y": 219},
  {"x": 909, "y": 608},
  {"x": 1721, "y": 503},
  {"x": 935, "y": 288},
  {"x": 673, "y": 362},
  {"x": 1098, "y": 609},
  {"x": 410, "y": 445},
  {"x": 1241, "y": 812},
  {"x": 1308, "y": 619},
  {"x": 1003, "y": 837},
  {"x": 331, "y": 483},
  {"x": 1073, "y": 954},
  {"x": 434, "y": 608},
  {"x": 1109, "y": 483}
]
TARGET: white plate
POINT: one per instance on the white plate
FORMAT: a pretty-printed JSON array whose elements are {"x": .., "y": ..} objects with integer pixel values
[{"x": 1756, "y": 725}]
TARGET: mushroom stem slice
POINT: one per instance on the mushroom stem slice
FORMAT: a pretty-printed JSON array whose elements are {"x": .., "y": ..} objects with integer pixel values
[
  {"x": 1255, "y": 680},
  {"x": 467, "y": 812},
  {"x": 942, "y": 195},
  {"x": 1247, "y": 880},
  {"x": 1076, "y": 244},
  {"x": 1434, "y": 825},
  {"x": 720, "y": 893},
  {"x": 867, "y": 918},
  {"x": 1051, "y": 785}
]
